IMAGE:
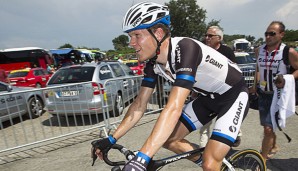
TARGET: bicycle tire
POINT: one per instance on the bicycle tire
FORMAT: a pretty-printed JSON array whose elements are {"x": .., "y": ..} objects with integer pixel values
[{"x": 247, "y": 159}]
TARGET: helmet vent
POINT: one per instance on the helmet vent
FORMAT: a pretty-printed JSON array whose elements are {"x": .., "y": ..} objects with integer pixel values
[
  {"x": 160, "y": 15},
  {"x": 135, "y": 18},
  {"x": 149, "y": 18},
  {"x": 152, "y": 8}
]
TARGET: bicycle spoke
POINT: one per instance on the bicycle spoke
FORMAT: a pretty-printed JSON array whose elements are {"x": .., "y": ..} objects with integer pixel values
[{"x": 246, "y": 160}]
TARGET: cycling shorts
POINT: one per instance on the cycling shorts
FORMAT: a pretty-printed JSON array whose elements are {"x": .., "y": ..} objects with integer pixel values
[{"x": 230, "y": 109}]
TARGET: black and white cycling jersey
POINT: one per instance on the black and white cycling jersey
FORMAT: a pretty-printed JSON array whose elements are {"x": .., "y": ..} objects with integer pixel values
[{"x": 193, "y": 65}]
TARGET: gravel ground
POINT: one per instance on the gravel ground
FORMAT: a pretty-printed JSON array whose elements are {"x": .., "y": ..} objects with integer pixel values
[{"x": 73, "y": 154}]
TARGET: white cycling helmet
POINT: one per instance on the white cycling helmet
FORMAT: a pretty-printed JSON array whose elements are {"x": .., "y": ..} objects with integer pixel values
[{"x": 145, "y": 15}]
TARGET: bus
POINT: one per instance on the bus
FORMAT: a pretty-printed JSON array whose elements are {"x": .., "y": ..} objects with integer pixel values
[{"x": 20, "y": 58}]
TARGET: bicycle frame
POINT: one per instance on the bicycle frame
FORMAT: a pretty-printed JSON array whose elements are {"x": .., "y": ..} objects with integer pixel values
[
  {"x": 154, "y": 164},
  {"x": 158, "y": 164}
]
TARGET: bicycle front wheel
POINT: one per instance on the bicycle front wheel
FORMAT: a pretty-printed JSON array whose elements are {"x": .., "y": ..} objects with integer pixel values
[{"x": 248, "y": 159}]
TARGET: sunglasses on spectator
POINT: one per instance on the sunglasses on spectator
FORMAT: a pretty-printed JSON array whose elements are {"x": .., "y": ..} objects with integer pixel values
[
  {"x": 271, "y": 33},
  {"x": 210, "y": 35}
]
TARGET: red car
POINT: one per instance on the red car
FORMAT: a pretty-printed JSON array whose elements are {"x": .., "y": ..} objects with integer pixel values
[
  {"x": 136, "y": 66},
  {"x": 29, "y": 77}
]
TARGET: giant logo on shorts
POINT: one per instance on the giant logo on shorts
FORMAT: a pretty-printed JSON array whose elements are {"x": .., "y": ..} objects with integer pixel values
[
  {"x": 238, "y": 113},
  {"x": 232, "y": 128},
  {"x": 213, "y": 62}
]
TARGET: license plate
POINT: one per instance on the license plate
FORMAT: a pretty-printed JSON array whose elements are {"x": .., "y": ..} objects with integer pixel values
[
  {"x": 13, "y": 83},
  {"x": 68, "y": 93},
  {"x": 249, "y": 78}
]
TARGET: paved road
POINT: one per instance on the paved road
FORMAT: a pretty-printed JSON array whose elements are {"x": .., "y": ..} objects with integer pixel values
[{"x": 72, "y": 154}]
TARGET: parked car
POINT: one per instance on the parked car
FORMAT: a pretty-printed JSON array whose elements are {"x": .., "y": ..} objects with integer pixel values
[
  {"x": 14, "y": 104},
  {"x": 247, "y": 64},
  {"x": 136, "y": 66},
  {"x": 29, "y": 77},
  {"x": 88, "y": 98}
]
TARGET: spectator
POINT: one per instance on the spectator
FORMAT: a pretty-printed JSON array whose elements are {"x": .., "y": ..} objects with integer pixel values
[
  {"x": 49, "y": 68},
  {"x": 269, "y": 63},
  {"x": 3, "y": 76},
  {"x": 120, "y": 59},
  {"x": 213, "y": 38}
]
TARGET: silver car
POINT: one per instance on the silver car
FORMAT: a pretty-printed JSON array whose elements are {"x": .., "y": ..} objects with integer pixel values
[
  {"x": 17, "y": 101},
  {"x": 91, "y": 88},
  {"x": 247, "y": 64}
]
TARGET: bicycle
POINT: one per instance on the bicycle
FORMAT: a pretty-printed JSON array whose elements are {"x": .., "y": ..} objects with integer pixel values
[{"x": 247, "y": 159}]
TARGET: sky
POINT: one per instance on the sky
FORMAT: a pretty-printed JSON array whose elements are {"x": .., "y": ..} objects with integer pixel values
[{"x": 50, "y": 24}]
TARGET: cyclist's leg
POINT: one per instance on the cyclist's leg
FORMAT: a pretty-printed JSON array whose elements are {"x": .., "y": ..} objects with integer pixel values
[
  {"x": 188, "y": 122},
  {"x": 214, "y": 154},
  {"x": 226, "y": 128},
  {"x": 176, "y": 141}
]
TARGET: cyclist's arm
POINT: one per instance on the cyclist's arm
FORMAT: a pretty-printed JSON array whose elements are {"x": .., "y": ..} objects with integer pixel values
[
  {"x": 166, "y": 121},
  {"x": 185, "y": 72},
  {"x": 134, "y": 113}
]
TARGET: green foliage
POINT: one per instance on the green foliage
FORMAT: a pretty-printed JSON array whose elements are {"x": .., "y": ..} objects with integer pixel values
[
  {"x": 214, "y": 23},
  {"x": 123, "y": 51},
  {"x": 66, "y": 45},
  {"x": 291, "y": 36},
  {"x": 250, "y": 38},
  {"x": 121, "y": 42},
  {"x": 187, "y": 18}
]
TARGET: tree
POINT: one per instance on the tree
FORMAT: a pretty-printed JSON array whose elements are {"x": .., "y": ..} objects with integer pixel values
[
  {"x": 187, "y": 19},
  {"x": 66, "y": 45},
  {"x": 214, "y": 23},
  {"x": 291, "y": 36},
  {"x": 250, "y": 38},
  {"x": 121, "y": 42}
]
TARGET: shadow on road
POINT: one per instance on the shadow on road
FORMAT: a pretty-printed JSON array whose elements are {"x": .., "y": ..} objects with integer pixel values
[
  {"x": 290, "y": 164},
  {"x": 13, "y": 121},
  {"x": 66, "y": 121}
]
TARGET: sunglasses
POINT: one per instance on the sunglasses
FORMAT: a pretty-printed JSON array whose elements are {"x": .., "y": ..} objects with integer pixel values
[
  {"x": 271, "y": 33},
  {"x": 210, "y": 35}
]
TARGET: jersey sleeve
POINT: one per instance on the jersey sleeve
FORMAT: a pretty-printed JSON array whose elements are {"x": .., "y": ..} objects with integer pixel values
[
  {"x": 150, "y": 78},
  {"x": 188, "y": 55}
]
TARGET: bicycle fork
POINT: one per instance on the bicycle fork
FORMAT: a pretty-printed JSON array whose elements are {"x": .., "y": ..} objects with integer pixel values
[{"x": 228, "y": 164}]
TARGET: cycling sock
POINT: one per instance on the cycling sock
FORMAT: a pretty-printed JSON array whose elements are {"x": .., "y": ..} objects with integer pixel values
[{"x": 199, "y": 161}]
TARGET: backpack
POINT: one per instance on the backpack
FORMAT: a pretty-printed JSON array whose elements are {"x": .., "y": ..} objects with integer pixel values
[{"x": 290, "y": 69}]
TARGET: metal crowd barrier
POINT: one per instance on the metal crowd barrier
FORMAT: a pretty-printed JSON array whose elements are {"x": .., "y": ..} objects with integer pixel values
[{"x": 21, "y": 131}]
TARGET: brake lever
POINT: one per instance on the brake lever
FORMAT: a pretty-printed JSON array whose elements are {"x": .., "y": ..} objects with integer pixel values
[{"x": 94, "y": 156}]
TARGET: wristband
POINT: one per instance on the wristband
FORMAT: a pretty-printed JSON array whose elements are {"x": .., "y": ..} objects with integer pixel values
[
  {"x": 141, "y": 156},
  {"x": 112, "y": 139}
]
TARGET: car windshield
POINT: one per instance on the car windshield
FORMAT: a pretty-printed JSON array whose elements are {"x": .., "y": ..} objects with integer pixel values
[
  {"x": 132, "y": 64},
  {"x": 245, "y": 59},
  {"x": 72, "y": 75},
  {"x": 18, "y": 74}
]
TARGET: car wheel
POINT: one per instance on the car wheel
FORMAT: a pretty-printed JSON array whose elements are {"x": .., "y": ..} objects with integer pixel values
[
  {"x": 38, "y": 85},
  {"x": 36, "y": 106},
  {"x": 119, "y": 105}
]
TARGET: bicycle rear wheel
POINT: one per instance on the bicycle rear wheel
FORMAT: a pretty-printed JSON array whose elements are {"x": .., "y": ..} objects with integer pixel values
[{"x": 247, "y": 159}]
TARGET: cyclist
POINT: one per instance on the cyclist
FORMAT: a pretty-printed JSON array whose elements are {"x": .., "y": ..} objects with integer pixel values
[{"x": 190, "y": 65}]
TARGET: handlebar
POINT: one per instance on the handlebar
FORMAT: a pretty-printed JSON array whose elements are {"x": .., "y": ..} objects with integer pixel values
[
  {"x": 152, "y": 166},
  {"x": 127, "y": 153}
]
